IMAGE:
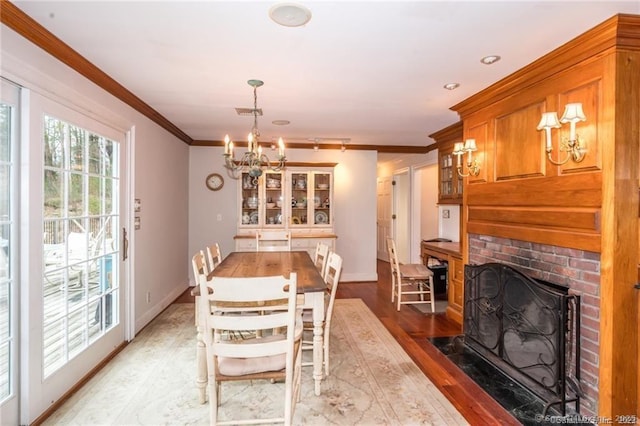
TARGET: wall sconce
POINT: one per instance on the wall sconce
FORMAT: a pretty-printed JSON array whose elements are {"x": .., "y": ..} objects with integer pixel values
[
  {"x": 572, "y": 114},
  {"x": 469, "y": 146}
]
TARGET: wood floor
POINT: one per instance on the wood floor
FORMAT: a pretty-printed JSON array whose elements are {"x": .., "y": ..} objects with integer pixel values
[{"x": 411, "y": 329}]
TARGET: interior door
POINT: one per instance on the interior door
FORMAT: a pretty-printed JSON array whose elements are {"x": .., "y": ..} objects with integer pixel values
[
  {"x": 73, "y": 287},
  {"x": 383, "y": 215},
  {"x": 402, "y": 215}
]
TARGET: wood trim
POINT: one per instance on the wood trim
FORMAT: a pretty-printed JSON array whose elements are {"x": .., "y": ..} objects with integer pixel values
[
  {"x": 453, "y": 131},
  {"x": 27, "y": 27},
  {"x": 23, "y": 24},
  {"x": 390, "y": 149},
  {"x": 619, "y": 31}
]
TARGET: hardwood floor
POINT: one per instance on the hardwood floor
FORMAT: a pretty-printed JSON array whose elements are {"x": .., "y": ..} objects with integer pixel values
[{"x": 411, "y": 329}]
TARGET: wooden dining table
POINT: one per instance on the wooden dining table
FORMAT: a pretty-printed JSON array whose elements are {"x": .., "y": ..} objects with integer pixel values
[{"x": 311, "y": 290}]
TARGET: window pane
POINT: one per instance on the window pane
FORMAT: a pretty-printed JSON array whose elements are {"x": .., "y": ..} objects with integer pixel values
[
  {"x": 95, "y": 154},
  {"x": 53, "y": 193},
  {"x": 95, "y": 198},
  {"x": 54, "y": 345},
  {"x": 77, "y": 148},
  {"x": 53, "y": 142},
  {"x": 5, "y": 132},
  {"x": 76, "y": 194}
]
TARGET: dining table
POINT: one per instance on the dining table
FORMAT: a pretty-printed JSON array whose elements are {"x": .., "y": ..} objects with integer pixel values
[{"x": 311, "y": 290}]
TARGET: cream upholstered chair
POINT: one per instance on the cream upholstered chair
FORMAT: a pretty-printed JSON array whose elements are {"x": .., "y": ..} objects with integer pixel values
[
  {"x": 273, "y": 241},
  {"x": 320, "y": 257},
  {"x": 214, "y": 256},
  {"x": 271, "y": 357},
  {"x": 413, "y": 279},
  {"x": 331, "y": 278}
]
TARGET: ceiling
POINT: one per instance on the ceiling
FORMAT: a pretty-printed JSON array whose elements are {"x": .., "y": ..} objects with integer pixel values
[{"x": 370, "y": 72}]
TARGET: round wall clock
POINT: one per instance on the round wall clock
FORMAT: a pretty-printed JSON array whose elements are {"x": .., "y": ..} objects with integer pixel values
[{"x": 214, "y": 181}]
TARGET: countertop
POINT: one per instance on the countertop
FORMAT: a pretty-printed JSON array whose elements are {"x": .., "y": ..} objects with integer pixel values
[{"x": 448, "y": 248}]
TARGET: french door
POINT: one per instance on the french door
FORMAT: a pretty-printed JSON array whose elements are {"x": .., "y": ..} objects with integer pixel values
[
  {"x": 9, "y": 351},
  {"x": 75, "y": 280}
]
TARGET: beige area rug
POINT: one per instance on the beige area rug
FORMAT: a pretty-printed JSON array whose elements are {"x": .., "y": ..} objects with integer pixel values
[{"x": 152, "y": 381}]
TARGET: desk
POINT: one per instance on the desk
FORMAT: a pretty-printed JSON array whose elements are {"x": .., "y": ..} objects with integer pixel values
[
  {"x": 311, "y": 291},
  {"x": 450, "y": 253}
]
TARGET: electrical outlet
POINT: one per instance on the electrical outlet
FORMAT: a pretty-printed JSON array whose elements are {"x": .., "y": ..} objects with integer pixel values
[
  {"x": 148, "y": 297},
  {"x": 445, "y": 214}
]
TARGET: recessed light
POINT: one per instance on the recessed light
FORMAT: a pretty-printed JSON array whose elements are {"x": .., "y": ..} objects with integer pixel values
[
  {"x": 290, "y": 14},
  {"x": 451, "y": 86},
  {"x": 491, "y": 59},
  {"x": 280, "y": 122}
]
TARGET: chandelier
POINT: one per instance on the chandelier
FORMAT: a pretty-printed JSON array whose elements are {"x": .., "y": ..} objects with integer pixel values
[{"x": 253, "y": 161}]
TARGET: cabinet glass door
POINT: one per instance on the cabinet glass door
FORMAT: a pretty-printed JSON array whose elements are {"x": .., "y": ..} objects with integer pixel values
[
  {"x": 299, "y": 199},
  {"x": 321, "y": 199},
  {"x": 250, "y": 214},
  {"x": 273, "y": 197}
]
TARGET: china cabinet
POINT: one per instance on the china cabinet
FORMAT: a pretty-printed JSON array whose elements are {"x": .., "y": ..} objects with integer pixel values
[
  {"x": 298, "y": 199},
  {"x": 450, "y": 184}
]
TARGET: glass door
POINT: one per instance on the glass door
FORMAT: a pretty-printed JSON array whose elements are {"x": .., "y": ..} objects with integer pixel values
[
  {"x": 273, "y": 200},
  {"x": 322, "y": 198},
  {"x": 74, "y": 297},
  {"x": 299, "y": 201},
  {"x": 9, "y": 359}
]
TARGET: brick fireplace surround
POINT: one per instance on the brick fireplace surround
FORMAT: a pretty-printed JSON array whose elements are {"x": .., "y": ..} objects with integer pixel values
[{"x": 577, "y": 269}]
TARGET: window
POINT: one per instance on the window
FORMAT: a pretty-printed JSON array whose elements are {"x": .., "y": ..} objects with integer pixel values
[
  {"x": 7, "y": 277},
  {"x": 80, "y": 275}
]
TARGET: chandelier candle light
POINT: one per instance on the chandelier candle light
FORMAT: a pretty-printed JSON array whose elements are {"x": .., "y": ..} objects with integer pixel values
[{"x": 253, "y": 161}]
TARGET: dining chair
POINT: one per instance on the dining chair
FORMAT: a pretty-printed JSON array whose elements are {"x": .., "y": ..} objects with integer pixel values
[
  {"x": 331, "y": 278},
  {"x": 230, "y": 308},
  {"x": 273, "y": 241},
  {"x": 411, "y": 280},
  {"x": 214, "y": 256},
  {"x": 320, "y": 256}
]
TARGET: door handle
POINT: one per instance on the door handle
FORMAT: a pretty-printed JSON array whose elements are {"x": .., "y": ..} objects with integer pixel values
[{"x": 125, "y": 245}]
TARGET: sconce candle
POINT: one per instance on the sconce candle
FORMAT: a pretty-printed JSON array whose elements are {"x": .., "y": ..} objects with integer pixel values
[
  {"x": 572, "y": 114},
  {"x": 469, "y": 146}
]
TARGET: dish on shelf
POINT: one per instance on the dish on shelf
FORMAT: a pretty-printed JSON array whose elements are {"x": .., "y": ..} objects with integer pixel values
[
  {"x": 323, "y": 186},
  {"x": 271, "y": 205},
  {"x": 254, "y": 218},
  {"x": 279, "y": 218},
  {"x": 295, "y": 220},
  {"x": 321, "y": 217},
  {"x": 273, "y": 183}
]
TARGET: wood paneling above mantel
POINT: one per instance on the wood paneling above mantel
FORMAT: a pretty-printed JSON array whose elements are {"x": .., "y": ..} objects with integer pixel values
[
  {"x": 617, "y": 33},
  {"x": 591, "y": 205}
]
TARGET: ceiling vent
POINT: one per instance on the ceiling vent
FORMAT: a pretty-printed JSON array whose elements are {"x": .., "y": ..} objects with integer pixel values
[{"x": 249, "y": 111}]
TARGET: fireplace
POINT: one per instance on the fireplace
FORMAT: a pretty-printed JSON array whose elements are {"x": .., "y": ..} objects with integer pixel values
[{"x": 529, "y": 329}]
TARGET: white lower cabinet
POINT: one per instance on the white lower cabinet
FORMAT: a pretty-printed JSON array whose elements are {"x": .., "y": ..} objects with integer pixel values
[{"x": 297, "y": 244}]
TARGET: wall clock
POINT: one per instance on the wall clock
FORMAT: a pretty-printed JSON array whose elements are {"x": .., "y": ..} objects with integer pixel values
[{"x": 215, "y": 181}]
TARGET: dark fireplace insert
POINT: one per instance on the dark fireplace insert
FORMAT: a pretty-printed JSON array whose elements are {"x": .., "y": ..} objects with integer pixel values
[{"x": 529, "y": 329}]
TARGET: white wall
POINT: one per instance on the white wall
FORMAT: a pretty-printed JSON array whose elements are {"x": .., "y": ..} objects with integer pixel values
[
  {"x": 354, "y": 204},
  {"x": 423, "y": 169},
  {"x": 159, "y": 248}
]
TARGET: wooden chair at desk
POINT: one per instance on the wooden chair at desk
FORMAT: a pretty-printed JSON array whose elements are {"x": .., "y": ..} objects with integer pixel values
[{"x": 413, "y": 279}]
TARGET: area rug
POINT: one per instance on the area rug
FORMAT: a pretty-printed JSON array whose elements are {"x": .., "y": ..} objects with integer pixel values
[{"x": 151, "y": 382}]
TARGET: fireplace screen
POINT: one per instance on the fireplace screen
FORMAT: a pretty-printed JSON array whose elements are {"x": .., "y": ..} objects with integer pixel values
[{"x": 525, "y": 327}]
